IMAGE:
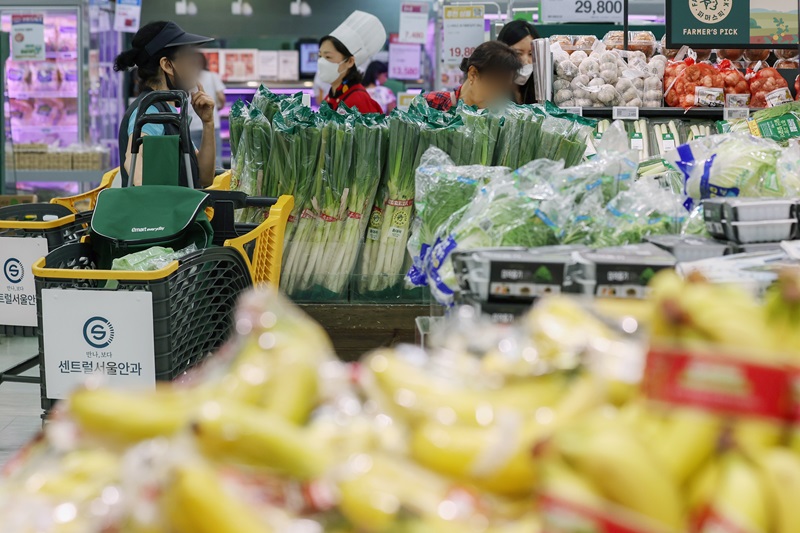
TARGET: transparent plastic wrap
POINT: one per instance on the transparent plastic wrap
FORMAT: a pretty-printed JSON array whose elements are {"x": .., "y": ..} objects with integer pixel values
[
  {"x": 153, "y": 258},
  {"x": 443, "y": 190},
  {"x": 780, "y": 123},
  {"x": 477, "y": 136},
  {"x": 507, "y": 212},
  {"x": 645, "y": 209},
  {"x": 564, "y": 139},
  {"x": 267, "y": 102},
  {"x": 519, "y": 136},
  {"x": 383, "y": 259},
  {"x": 318, "y": 239},
  {"x": 251, "y": 174},
  {"x": 236, "y": 120},
  {"x": 733, "y": 164}
]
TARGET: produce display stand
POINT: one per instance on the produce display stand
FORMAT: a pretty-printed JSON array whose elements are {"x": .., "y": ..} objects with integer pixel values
[{"x": 192, "y": 299}]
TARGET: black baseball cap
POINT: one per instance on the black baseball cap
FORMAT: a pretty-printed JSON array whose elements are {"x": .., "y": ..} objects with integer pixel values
[{"x": 171, "y": 36}]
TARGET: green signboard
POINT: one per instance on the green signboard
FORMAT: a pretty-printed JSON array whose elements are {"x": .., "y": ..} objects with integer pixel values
[{"x": 732, "y": 23}]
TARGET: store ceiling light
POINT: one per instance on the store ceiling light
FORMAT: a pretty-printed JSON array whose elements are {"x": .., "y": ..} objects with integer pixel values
[
  {"x": 182, "y": 7},
  {"x": 239, "y": 7},
  {"x": 300, "y": 8}
]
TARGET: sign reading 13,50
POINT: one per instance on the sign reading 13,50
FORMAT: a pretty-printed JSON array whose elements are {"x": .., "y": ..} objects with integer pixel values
[{"x": 608, "y": 11}]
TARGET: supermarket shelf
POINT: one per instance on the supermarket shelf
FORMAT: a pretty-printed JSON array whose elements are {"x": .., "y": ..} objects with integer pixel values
[
  {"x": 83, "y": 176},
  {"x": 22, "y": 95},
  {"x": 44, "y": 129},
  {"x": 713, "y": 113}
]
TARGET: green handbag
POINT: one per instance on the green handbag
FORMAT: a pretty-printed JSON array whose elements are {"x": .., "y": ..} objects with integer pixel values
[{"x": 133, "y": 219}]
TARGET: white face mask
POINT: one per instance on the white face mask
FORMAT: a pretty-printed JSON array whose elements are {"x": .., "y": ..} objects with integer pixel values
[
  {"x": 524, "y": 74},
  {"x": 328, "y": 70}
]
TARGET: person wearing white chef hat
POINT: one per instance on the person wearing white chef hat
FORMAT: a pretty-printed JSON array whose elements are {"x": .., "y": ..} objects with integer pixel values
[{"x": 349, "y": 46}]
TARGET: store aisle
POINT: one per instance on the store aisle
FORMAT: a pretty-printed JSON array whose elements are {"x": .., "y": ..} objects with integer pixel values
[{"x": 20, "y": 409}]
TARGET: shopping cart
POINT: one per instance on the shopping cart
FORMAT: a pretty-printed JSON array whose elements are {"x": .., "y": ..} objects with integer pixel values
[
  {"x": 28, "y": 232},
  {"x": 138, "y": 327}
]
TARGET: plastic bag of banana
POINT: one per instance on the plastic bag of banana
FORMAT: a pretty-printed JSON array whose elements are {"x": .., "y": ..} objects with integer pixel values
[
  {"x": 709, "y": 445},
  {"x": 275, "y": 434}
]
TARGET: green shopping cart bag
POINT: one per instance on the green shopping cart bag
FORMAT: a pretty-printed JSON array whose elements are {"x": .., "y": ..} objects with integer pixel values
[{"x": 133, "y": 219}]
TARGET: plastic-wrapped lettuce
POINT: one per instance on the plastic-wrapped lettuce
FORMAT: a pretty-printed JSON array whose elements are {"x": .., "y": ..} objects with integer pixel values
[
  {"x": 732, "y": 164},
  {"x": 509, "y": 211},
  {"x": 645, "y": 209},
  {"x": 442, "y": 190}
]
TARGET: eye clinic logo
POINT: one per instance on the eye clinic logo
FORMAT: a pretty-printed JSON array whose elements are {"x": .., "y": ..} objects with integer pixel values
[
  {"x": 13, "y": 270},
  {"x": 98, "y": 332},
  {"x": 710, "y": 11}
]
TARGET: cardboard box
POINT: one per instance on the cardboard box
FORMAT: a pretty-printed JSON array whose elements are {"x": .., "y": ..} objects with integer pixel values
[{"x": 15, "y": 199}]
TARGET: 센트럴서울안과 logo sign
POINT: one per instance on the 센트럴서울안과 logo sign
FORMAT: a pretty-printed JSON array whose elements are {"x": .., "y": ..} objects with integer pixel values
[{"x": 732, "y": 23}]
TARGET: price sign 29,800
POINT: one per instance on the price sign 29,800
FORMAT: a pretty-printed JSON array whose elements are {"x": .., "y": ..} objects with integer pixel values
[{"x": 609, "y": 11}]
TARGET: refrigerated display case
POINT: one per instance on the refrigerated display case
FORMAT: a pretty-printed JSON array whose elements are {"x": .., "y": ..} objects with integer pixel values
[{"x": 62, "y": 113}]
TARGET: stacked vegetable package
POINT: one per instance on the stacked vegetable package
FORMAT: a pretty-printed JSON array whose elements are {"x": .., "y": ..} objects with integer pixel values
[{"x": 595, "y": 203}]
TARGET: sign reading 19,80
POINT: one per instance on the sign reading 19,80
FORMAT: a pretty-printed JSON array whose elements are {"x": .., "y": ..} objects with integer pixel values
[
  {"x": 732, "y": 23},
  {"x": 610, "y": 11},
  {"x": 464, "y": 30}
]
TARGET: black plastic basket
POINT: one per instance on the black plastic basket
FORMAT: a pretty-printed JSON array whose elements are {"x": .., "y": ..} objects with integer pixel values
[
  {"x": 66, "y": 227},
  {"x": 192, "y": 307}
]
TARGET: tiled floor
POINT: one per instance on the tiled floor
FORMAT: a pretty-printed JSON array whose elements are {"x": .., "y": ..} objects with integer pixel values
[{"x": 20, "y": 409}]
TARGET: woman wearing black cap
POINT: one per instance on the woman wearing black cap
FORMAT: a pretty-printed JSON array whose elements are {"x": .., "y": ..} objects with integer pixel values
[{"x": 164, "y": 56}]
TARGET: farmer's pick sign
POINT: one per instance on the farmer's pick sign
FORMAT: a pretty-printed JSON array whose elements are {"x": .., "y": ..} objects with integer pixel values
[{"x": 732, "y": 23}]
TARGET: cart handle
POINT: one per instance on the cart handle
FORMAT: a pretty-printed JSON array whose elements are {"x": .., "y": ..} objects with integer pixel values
[{"x": 70, "y": 201}]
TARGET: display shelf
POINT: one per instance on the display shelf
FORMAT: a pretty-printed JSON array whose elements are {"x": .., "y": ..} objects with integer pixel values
[
  {"x": 82, "y": 176},
  {"x": 709, "y": 113},
  {"x": 27, "y": 95},
  {"x": 45, "y": 129}
]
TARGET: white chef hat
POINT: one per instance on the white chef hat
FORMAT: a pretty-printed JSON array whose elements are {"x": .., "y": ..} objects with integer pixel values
[{"x": 362, "y": 34}]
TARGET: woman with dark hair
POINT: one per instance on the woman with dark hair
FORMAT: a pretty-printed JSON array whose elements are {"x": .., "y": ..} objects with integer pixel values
[
  {"x": 165, "y": 57},
  {"x": 519, "y": 35},
  {"x": 352, "y": 44},
  {"x": 488, "y": 77},
  {"x": 376, "y": 75}
]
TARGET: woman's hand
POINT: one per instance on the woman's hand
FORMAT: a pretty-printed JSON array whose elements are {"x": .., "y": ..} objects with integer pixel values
[{"x": 203, "y": 105}]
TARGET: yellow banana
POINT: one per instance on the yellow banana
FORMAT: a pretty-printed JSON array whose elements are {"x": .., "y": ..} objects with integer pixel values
[
  {"x": 687, "y": 438},
  {"x": 562, "y": 481},
  {"x": 753, "y": 434},
  {"x": 293, "y": 393},
  {"x": 496, "y": 458},
  {"x": 623, "y": 470},
  {"x": 702, "y": 485},
  {"x": 249, "y": 375},
  {"x": 781, "y": 474},
  {"x": 134, "y": 416},
  {"x": 196, "y": 502},
  {"x": 740, "y": 498},
  {"x": 417, "y": 396},
  {"x": 253, "y": 436},
  {"x": 379, "y": 486}
]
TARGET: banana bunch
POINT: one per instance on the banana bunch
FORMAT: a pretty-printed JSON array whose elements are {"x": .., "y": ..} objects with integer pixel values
[
  {"x": 782, "y": 308},
  {"x": 695, "y": 313}
]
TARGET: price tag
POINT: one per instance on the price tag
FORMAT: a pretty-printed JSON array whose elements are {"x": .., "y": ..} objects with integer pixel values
[
  {"x": 625, "y": 113},
  {"x": 735, "y": 113},
  {"x": 560, "y": 11},
  {"x": 709, "y": 97},
  {"x": 778, "y": 97},
  {"x": 404, "y": 100},
  {"x": 413, "y": 22},
  {"x": 268, "y": 64},
  {"x": 737, "y": 100},
  {"x": 637, "y": 142},
  {"x": 668, "y": 140},
  {"x": 463, "y": 31},
  {"x": 404, "y": 61},
  {"x": 573, "y": 110}
]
